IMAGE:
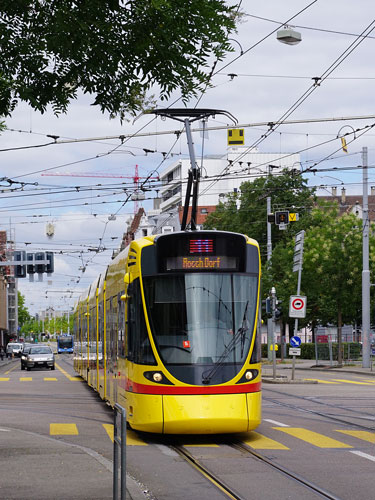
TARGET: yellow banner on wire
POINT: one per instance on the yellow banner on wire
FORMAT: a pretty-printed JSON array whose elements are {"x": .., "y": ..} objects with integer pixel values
[{"x": 343, "y": 144}]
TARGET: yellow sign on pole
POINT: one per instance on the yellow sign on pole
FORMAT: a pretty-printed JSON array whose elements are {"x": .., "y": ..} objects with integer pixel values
[
  {"x": 293, "y": 217},
  {"x": 343, "y": 144},
  {"x": 236, "y": 136}
]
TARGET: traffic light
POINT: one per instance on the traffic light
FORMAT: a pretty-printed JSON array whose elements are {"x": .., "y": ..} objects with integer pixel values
[
  {"x": 278, "y": 310},
  {"x": 39, "y": 268},
  {"x": 20, "y": 270},
  {"x": 50, "y": 267},
  {"x": 282, "y": 217},
  {"x": 31, "y": 266}
]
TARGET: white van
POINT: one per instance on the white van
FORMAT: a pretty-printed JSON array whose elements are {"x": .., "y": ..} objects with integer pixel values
[{"x": 14, "y": 348}]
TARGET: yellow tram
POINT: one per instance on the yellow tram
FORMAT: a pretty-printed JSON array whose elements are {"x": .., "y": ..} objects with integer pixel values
[{"x": 169, "y": 331}]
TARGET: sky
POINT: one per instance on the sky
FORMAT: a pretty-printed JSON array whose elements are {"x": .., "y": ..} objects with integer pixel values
[{"x": 262, "y": 81}]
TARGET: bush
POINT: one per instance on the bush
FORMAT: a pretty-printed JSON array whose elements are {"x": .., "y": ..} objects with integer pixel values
[{"x": 351, "y": 351}]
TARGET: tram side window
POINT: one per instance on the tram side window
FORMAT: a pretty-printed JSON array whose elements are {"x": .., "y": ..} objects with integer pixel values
[
  {"x": 101, "y": 334},
  {"x": 121, "y": 325},
  {"x": 92, "y": 347},
  {"x": 139, "y": 348}
]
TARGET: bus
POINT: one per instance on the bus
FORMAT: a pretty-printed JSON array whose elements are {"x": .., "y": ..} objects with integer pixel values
[{"x": 64, "y": 343}]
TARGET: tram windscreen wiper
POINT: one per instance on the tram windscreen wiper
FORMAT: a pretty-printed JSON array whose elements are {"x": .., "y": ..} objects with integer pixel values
[{"x": 239, "y": 336}]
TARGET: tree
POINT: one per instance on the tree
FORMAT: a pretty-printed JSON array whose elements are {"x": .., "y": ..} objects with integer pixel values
[
  {"x": 332, "y": 268},
  {"x": 23, "y": 313},
  {"x": 287, "y": 192},
  {"x": 115, "y": 50}
]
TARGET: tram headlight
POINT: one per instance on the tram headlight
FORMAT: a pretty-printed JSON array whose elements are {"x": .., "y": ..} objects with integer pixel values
[
  {"x": 249, "y": 375},
  {"x": 158, "y": 377}
]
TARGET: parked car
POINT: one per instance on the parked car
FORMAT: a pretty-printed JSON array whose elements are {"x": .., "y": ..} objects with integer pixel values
[
  {"x": 26, "y": 350},
  {"x": 14, "y": 348},
  {"x": 40, "y": 355}
]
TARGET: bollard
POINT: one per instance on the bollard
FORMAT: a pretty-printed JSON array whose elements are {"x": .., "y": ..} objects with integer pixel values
[{"x": 119, "y": 441}]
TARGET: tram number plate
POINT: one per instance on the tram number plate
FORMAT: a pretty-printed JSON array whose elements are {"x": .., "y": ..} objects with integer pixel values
[{"x": 294, "y": 351}]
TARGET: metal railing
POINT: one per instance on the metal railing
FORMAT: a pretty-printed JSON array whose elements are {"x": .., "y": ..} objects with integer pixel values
[{"x": 119, "y": 442}]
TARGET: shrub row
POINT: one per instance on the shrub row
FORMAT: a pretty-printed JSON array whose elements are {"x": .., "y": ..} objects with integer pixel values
[{"x": 351, "y": 350}]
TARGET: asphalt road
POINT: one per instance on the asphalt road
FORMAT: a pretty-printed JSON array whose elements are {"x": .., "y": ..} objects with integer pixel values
[{"x": 55, "y": 442}]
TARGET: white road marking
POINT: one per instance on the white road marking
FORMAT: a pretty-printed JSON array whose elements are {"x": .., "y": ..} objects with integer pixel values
[
  {"x": 279, "y": 424},
  {"x": 363, "y": 455}
]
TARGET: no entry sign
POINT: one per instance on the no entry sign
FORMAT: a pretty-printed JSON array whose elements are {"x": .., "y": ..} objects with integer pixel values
[{"x": 297, "y": 306}]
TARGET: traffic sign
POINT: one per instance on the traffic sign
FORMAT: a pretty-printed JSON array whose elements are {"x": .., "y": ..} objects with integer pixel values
[
  {"x": 294, "y": 351},
  {"x": 295, "y": 341},
  {"x": 297, "y": 306}
]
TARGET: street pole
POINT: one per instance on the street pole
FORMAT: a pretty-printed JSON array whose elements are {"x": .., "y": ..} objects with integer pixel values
[
  {"x": 273, "y": 321},
  {"x": 365, "y": 268},
  {"x": 269, "y": 256}
]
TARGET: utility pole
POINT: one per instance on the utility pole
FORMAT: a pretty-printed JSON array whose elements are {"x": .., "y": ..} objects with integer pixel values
[
  {"x": 273, "y": 323},
  {"x": 269, "y": 256},
  {"x": 365, "y": 268}
]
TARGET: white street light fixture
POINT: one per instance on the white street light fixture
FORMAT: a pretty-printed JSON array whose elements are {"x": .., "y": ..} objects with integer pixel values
[{"x": 289, "y": 36}]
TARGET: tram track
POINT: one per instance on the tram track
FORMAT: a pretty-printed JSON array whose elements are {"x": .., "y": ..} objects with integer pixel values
[{"x": 229, "y": 491}]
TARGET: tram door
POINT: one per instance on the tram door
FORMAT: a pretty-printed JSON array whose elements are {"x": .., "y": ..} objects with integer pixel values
[{"x": 111, "y": 349}]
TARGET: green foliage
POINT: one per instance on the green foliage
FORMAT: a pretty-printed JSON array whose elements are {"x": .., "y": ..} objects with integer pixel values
[
  {"x": 332, "y": 267},
  {"x": 115, "y": 50},
  {"x": 351, "y": 350},
  {"x": 287, "y": 192},
  {"x": 23, "y": 313}
]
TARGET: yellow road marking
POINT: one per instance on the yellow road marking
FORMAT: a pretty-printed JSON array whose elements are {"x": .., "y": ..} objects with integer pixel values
[
  {"x": 14, "y": 367},
  {"x": 67, "y": 374},
  {"x": 52, "y": 379},
  {"x": 131, "y": 437},
  {"x": 321, "y": 381},
  {"x": 351, "y": 382},
  {"x": 26, "y": 379},
  {"x": 312, "y": 437},
  {"x": 364, "y": 435},
  {"x": 260, "y": 442},
  {"x": 4, "y": 379},
  {"x": 63, "y": 430}
]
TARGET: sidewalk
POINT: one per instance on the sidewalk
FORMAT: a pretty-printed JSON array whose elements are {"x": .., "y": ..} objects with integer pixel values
[{"x": 27, "y": 459}]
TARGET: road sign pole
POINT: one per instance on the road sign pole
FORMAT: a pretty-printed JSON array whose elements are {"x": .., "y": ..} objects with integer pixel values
[
  {"x": 299, "y": 242},
  {"x": 293, "y": 366}
]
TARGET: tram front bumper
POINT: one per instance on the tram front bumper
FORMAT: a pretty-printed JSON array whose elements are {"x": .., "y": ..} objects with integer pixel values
[{"x": 211, "y": 413}]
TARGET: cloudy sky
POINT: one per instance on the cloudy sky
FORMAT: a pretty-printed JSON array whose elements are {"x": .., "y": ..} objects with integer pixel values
[{"x": 262, "y": 81}]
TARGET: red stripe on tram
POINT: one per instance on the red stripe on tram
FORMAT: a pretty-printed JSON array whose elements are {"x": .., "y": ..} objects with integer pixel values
[{"x": 196, "y": 389}]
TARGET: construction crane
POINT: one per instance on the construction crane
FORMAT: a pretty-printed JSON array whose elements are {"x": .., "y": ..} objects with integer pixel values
[{"x": 136, "y": 196}]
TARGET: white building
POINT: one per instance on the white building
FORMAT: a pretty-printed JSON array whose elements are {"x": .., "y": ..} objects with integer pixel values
[{"x": 220, "y": 175}]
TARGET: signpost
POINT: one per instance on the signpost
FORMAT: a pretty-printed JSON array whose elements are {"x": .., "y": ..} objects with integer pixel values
[{"x": 294, "y": 351}]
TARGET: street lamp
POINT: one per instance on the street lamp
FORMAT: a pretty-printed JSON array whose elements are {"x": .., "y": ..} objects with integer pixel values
[{"x": 289, "y": 36}]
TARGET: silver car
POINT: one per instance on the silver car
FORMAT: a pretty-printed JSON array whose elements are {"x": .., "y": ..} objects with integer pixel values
[{"x": 40, "y": 355}]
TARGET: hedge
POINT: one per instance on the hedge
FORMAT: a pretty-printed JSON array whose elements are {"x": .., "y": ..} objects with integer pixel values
[{"x": 351, "y": 350}]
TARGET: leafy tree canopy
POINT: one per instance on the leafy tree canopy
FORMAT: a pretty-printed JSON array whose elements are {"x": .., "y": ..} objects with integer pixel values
[
  {"x": 287, "y": 192},
  {"x": 23, "y": 313},
  {"x": 113, "y": 49},
  {"x": 332, "y": 267}
]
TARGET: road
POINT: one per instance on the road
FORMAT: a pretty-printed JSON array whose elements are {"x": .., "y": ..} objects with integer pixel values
[{"x": 319, "y": 436}]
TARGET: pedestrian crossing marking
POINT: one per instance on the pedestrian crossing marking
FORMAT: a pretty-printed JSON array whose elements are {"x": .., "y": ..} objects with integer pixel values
[
  {"x": 364, "y": 435},
  {"x": 321, "y": 381},
  {"x": 4, "y": 379},
  {"x": 63, "y": 430},
  {"x": 312, "y": 437},
  {"x": 131, "y": 437},
  {"x": 260, "y": 442},
  {"x": 26, "y": 379},
  {"x": 50, "y": 379},
  {"x": 351, "y": 382}
]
